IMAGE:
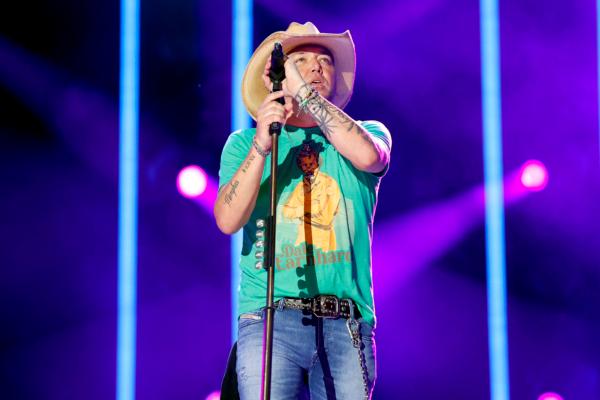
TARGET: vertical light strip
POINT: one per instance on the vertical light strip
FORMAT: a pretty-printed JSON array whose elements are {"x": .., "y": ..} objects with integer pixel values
[
  {"x": 598, "y": 61},
  {"x": 128, "y": 181},
  {"x": 242, "y": 20},
  {"x": 494, "y": 205}
]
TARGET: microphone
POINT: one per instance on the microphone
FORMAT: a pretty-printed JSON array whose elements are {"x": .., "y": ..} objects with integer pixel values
[{"x": 277, "y": 75}]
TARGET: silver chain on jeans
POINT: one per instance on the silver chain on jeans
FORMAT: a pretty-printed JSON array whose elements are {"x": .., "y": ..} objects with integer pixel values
[{"x": 354, "y": 329}]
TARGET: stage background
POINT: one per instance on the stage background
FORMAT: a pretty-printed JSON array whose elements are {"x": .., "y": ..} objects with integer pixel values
[{"x": 419, "y": 73}]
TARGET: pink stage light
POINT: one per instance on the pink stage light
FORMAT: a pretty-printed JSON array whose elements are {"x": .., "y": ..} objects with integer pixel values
[
  {"x": 192, "y": 181},
  {"x": 550, "y": 396},
  {"x": 216, "y": 395},
  {"x": 534, "y": 175}
]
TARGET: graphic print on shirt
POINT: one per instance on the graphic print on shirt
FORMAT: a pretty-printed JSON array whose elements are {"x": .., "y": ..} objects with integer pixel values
[{"x": 314, "y": 202}]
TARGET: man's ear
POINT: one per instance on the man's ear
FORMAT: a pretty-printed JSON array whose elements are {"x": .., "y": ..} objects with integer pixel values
[{"x": 267, "y": 83}]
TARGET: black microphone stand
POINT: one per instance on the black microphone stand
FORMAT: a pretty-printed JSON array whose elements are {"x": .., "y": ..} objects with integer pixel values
[{"x": 277, "y": 75}]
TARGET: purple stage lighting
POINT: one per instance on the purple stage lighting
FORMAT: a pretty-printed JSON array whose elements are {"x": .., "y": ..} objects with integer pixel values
[
  {"x": 216, "y": 395},
  {"x": 195, "y": 184},
  {"x": 192, "y": 181},
  {"x": 550, "y": 396},
  {"x": 534, "y": 175}
]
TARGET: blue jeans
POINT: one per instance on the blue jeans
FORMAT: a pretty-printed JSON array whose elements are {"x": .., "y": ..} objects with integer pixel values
[{"x": 306, "y": 349}]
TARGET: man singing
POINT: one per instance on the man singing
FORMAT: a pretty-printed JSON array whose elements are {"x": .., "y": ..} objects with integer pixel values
[{"x": 330, "y": 166}]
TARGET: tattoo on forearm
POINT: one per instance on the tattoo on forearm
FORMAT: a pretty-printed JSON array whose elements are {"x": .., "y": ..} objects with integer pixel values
[
  {"x": 232, "y": 193},
  {"x": 246, "y": 165},
  {"x": 346, "y": 121},
  {"x": 318, "y": 109},
  {"x": 367, "y": 138},
  {"x": 327, "y": 116}
]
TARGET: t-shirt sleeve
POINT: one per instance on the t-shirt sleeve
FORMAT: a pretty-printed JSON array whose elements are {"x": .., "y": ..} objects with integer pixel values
[
  {"x": 234, "y": 152},
  {"x": 379, "y": 131}
]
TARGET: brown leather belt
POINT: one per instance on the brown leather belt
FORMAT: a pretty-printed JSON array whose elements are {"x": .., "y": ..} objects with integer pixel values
[{"x": 324, "y": 306}]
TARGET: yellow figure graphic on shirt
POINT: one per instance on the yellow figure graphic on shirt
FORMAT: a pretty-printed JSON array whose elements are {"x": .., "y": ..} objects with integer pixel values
[{"x": 314, "y": 202}]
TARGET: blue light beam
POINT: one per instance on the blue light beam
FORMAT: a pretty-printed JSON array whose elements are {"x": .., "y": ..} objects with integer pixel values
[
  {"x": 128, "y": 183},
  {"x": 598, "y": 64},
  {"x": 494, "y": 206},
  {"x": 242, "y": 20}
]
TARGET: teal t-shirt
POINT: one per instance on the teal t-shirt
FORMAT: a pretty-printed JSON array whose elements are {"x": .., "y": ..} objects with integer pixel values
[{"x": 325, "y": 216}]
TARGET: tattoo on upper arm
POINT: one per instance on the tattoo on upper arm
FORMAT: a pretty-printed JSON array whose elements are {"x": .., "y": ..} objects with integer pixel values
[{"x": 231, "y": 193}]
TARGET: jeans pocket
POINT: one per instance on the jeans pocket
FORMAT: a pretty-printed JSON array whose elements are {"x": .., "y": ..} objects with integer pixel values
[
  {"x": 366, "y": 329},
  {"x": 247, "y": 319}
]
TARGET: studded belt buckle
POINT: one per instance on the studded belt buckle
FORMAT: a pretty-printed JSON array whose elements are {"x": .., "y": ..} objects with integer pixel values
[{"x": 326, "y": 307}]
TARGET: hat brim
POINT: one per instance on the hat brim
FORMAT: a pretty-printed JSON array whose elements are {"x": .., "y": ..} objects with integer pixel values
[{"x": 340, "y": 45}]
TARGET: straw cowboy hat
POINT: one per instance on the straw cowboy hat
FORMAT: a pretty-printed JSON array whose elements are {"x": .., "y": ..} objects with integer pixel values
[{"x": 340, "y": 45}]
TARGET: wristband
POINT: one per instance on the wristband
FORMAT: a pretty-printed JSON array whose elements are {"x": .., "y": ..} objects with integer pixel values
[
  {"x": 303, "y": 104},
  {"x": 259, "y": 150}
]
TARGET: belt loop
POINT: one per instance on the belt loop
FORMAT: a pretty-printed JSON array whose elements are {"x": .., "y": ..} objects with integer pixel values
[
  {"x": 351, "y": 306},
  {"x": 281, "y": 304}
]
